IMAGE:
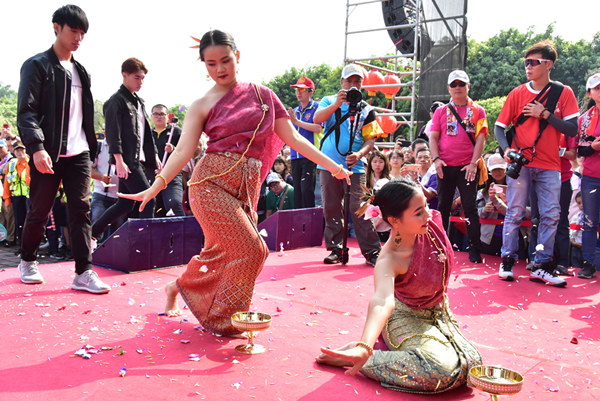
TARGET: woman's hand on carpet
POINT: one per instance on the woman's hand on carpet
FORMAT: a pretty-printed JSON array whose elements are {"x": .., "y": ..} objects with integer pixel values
[{"x": 349, "y": 355}]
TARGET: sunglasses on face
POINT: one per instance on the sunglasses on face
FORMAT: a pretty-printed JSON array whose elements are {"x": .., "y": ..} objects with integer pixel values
[
  {"x": 302, "y": 90},
  {"x": 534, "y": 61},
  {"x": 458, "y": 83}
]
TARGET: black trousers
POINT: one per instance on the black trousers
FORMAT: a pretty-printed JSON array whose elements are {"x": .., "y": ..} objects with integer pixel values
[
  {"x": 454, "y": 178},
  {"x": 137, "y": 181},
  {"x": 75, "y": 174},
  {"x": 304, "y": 173}
]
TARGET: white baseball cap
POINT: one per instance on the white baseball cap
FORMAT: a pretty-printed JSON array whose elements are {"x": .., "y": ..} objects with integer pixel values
[
  {"x": 592, "y": 82},
  {"x": 496, "y": 161},
  {"x": 352, "y": 69},
  {"x": 459, "y": 75},
  {"x": 273, "y": 177}
]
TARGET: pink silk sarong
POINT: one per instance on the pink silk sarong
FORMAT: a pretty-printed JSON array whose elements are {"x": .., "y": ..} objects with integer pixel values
[{"x": 219, "y": 282}]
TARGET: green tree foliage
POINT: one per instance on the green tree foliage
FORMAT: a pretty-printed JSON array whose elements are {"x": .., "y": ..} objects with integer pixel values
[
  {"x": 492, "y": 109},
  {"x": 496, "y": 66},
  {"x": 179, "y": 114},
  {"x": 8, "y": 107},
  {"x": 98, "y": 115}
]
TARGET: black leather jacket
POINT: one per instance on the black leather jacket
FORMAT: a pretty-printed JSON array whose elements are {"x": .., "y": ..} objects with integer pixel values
[
  {"x": 44, "y": 103},
  {"x": 121, "y": 129}
]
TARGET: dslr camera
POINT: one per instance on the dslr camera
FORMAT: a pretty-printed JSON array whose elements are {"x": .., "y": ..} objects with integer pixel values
[
  {"x": 518, "y": 161},
  {"x": 354, "y": 98}
]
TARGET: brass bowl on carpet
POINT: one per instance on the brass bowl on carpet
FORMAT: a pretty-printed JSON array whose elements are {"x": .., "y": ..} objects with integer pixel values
[
  {"x": 496, "y": 380},
  {"x": 250, "y": 322}
]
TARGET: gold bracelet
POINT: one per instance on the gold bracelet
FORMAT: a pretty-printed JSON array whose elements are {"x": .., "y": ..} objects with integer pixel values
[
  {"x": 163, "y": 178},
  {"x": 365, "y": 346},
  {"x": 339, "y": 171}
]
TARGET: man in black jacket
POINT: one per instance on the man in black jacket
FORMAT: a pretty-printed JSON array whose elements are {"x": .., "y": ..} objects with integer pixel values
[
  {"x": 55, "y": 118},
  {"x": 130, "y": 144}
]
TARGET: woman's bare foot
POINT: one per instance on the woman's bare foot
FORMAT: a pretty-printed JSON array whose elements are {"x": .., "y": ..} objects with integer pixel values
[
  {"x": 172, "y": 308},
  {"x": 330, "y": 360}
]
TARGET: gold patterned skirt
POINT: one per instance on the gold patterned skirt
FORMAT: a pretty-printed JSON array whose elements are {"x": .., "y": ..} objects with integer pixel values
[
  {"x": 435, "y": 356},
  {"x": 219, "y": 282}
]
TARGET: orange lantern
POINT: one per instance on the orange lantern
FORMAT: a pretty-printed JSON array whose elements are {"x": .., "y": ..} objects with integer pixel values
[
  {"x": 388, "y": 124},
  {"x": 390, "y": 79},
  {"x": 374, "y": 78}
]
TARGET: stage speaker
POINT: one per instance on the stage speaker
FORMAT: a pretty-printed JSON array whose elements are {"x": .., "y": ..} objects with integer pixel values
[
  {"x": 298, "y": 228},
  {"x": 146, "y": 244},
  {"x": 400, "y": 12}
]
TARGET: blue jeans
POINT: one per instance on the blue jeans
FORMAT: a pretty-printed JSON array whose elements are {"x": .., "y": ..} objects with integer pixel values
[
  {"x": 171, "y": 198},
  {"x": 546, "y": 184},
  {"x": 99, "y": 204},
  {"x": 590, "y": 197}
]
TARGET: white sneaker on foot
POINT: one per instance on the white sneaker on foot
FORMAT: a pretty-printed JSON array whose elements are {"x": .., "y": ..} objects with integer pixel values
[
  {"x": 90, "y": 282},
  {"x": 540, "y": 275},
  {"x": 30, "y": 273}
]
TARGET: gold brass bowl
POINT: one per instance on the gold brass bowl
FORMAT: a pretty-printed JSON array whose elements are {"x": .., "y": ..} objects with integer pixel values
[
  {"x": 251, "y": 322},
  {"x": 495, "y": 380}
]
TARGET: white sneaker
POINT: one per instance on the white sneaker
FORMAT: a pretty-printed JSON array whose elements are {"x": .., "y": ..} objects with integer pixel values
[
  {"x": 506, "y": 267},
  {"x": 30, "y": 273},
  {"x": 90, "y": 282},
  {"x": 529, "y": 266},
  {"x": 540, "y": 275}
]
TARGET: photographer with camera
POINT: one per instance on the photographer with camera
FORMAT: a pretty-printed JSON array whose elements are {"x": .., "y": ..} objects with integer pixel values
[
  {"x": 170, "y": 198},
  {"x": 539, "y": 110},
  {"x": 350, "y": 133},
  {"x": 457, "y": 138}
]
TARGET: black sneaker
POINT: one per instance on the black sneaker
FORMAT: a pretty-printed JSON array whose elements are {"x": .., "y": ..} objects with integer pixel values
[
  {"x": 562, "y": 270},
  {"x": 506, "y": 267},
  {"x": 334, "y": 257},
  {"x": 372, "y": 260},
  {"x": 9, "y": 244},
  {"x": 543, "y": 273},
  {"x": 474, "y": 255},
  {"x": 57, "y": 256},
  {"x": 587, "y": 271}
]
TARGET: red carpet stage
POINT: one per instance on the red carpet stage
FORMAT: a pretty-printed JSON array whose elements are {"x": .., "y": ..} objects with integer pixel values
[{"x": 549, "y": 335}]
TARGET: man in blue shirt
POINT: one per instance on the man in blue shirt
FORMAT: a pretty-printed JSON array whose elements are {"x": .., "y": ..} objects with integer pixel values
[
  {"x": 304, "y": 170},
  {"x": 355, "y": 141}
]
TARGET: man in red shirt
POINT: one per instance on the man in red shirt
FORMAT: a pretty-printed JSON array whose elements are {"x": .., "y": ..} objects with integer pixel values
[{"x": 534, "y": 150}]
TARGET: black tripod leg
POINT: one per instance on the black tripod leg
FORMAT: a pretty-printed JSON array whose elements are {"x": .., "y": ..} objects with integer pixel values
[{"x": 345, "y": 251}]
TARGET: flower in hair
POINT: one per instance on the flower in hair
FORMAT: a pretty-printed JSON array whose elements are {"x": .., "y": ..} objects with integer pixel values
[
  {"x": 372, "y": 212},
  {"x": 196, "y": 46}
]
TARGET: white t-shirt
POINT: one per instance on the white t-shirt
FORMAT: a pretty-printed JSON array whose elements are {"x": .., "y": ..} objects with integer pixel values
[
  {"x": 101, "y": 164},
  {"x": 76, "y": 141},
  {"x": 142, "y": 128}
]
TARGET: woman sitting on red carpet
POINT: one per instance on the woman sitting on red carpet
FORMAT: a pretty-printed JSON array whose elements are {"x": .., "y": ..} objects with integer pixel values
[
  {"x": 246, "y": 125},
  {"x": 427, "y": 353}
]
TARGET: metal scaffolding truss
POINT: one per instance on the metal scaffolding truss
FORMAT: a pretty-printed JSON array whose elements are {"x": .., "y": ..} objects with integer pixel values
[
  {"x": 405, "y": 118},
  {"x": 440, "y": 27}
]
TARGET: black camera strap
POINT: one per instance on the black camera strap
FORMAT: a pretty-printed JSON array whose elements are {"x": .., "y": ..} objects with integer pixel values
[
  {"x": 339, "y": 120},
  {"x": 461, "y": 122},
  {"x": 551, "y": 98}
]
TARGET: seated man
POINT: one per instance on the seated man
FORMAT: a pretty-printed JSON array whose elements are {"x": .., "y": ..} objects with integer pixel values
[{"x": 280, "y": 196}]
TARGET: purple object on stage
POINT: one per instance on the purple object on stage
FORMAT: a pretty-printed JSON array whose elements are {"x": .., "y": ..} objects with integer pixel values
[
  {"x": 298, "y": 228},
  {"x": 146, "y": 244}
]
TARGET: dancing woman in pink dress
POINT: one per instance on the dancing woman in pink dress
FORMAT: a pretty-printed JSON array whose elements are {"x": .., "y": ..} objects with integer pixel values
[{"x": 247, "y": 126}]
